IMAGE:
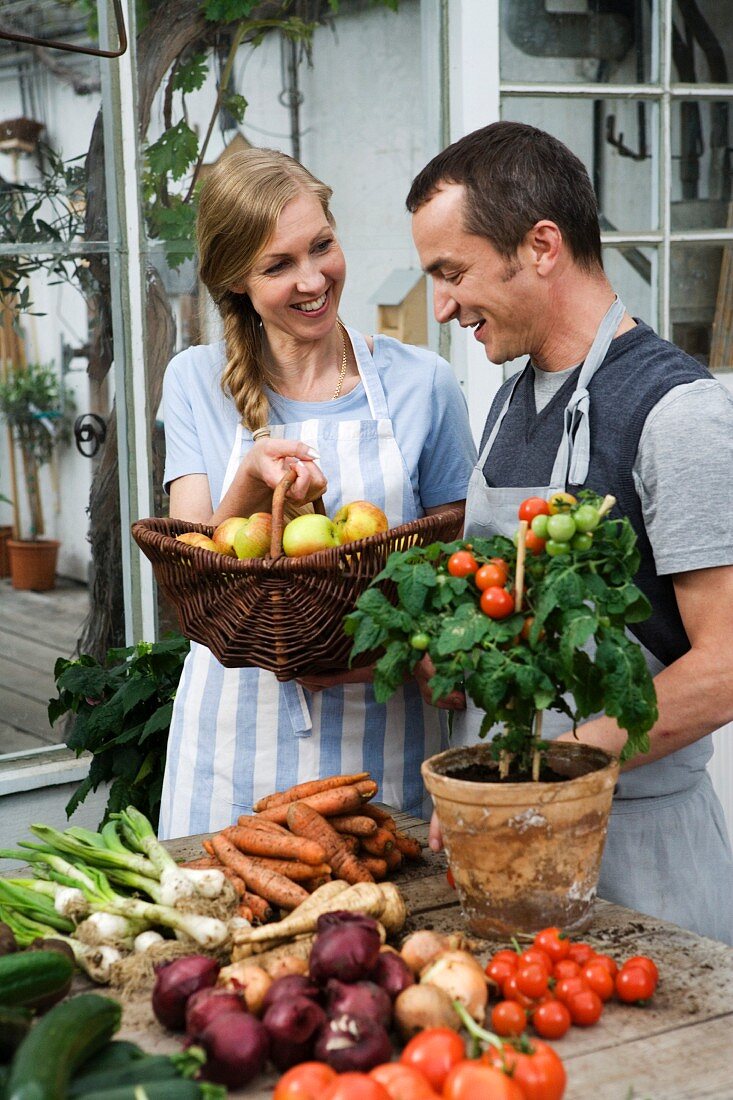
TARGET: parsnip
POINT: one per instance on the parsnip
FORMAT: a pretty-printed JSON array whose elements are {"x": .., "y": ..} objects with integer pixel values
[
  {"x": 363, "y": 897},
  {"x": 394, "y": 913}
]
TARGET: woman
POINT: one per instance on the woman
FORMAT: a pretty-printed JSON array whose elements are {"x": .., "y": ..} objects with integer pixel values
[{"x": 291, "y": 386}]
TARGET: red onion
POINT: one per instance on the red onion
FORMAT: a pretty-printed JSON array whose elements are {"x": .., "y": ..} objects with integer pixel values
[
  {"x": 236, "y": 1046},
  {"x": 291, "y": 985},
  {"x": 346, "y": 947},
  {"x": 392, "y": 973},
  {"x": 359, "y": 999},
  {"x": 293, "y": 1025},
  {"x": 353, "y": 1043},
  {"x": 203, "y": 1006},
  {"x": 175, "y": 982}
]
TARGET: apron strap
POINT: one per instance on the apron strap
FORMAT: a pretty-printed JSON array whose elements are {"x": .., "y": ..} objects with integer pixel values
[
  {"x": 573, "y": 457},
  {"x": 495, "y": 430},
  {"x": 367, "y": 368}
]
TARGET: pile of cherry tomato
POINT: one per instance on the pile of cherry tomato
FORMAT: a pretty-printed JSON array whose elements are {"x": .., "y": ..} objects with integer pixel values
[
  {"x": 435, "y": 1066},
  {"x": 556, "y": 526},
  {"x": 556, "y": 983}
]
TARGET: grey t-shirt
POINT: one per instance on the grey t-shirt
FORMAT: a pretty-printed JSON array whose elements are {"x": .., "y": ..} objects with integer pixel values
[{"x": 685, "y": 453}]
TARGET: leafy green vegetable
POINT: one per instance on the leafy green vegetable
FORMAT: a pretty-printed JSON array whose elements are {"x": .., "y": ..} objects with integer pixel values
[{"x": 566, "y": 650}]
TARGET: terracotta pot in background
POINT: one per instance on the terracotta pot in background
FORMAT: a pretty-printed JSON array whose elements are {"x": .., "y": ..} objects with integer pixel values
[
  {"x": 524, "y": 856},
  {"x": 6, "y": 532},
  {"x": 33, "y": 563}
]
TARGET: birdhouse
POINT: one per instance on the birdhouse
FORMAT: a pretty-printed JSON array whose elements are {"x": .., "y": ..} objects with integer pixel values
[{"x": 402, "y": 306}]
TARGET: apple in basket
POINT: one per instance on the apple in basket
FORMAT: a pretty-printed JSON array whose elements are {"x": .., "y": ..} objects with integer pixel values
[
  {"x": 308, "y": 533},
  {"x": 224, "y": 534},
  {"x": 359, "y": 520},
  {"x": 196, "y": 538},
  {"x": 252, "y": 539}
]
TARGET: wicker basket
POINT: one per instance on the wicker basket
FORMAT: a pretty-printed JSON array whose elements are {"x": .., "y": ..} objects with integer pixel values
[{"x": 282, "y": 614}]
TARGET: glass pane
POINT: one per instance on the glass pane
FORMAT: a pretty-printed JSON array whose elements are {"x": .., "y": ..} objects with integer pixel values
[
  {"x": 702, "y": 42},
  {"x": 614, "y": 138},
  {"x": 701, "y": 302},
  {"x": 632, "y": 273},
  {"x": 701, "y": 164},
  {"x": 567, "y": 41},
  {"x": 50, "y": 102}
]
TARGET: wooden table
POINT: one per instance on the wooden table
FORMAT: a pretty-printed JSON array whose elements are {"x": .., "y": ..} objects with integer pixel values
[{"x": 679, "y": 1047}]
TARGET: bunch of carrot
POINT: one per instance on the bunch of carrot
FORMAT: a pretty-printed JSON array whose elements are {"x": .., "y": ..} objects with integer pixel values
[{"x": 302, "y": 837}]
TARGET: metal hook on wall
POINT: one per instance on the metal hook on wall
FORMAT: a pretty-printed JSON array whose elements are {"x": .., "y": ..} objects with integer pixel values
[{"x": 51, "y": 44}]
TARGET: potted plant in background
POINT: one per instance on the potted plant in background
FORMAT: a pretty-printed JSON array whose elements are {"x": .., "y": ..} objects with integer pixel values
[
  {"x": 37, "y": 413},
  {"x": 522, "y": 627}
]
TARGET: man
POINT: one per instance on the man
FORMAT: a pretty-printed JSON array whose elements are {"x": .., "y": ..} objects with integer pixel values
[{"x": 505, "y": 222}]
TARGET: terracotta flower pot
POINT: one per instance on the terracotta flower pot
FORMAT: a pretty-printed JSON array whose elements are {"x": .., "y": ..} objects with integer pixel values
[
  {"x": 33, "y": 563},
  {"x": 524, "y": 855}
]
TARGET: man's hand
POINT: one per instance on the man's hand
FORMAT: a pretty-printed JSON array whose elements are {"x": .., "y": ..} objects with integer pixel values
[
  {"x": 423, "y": 671},
  {"x": 435, "y": 837}
]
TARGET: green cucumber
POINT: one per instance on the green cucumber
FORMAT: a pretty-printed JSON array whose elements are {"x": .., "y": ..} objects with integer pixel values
[
  {"x": 153, "y": 1068},
  {"x": 59, "y": 1042},
  {"x": 32, "y": 977},
  {"x": 179, "y": 1089},
  {"x": 119, "y": 1052},
  {"x": 15, "y": 1023}
]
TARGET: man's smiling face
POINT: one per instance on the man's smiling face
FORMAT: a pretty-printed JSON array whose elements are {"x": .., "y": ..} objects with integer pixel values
[{"x": 472, "y": 283}]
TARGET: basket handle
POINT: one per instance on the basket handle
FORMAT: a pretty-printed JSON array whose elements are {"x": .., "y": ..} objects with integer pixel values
[{"x": 278, "y": 507}]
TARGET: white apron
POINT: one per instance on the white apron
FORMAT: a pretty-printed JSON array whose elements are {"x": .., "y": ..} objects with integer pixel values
[
  {"x": 238, "y": 734},
  {"x": 666, "y": 851}
]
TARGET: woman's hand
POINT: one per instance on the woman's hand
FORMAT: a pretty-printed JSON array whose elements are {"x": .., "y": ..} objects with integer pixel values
[
  {"x": 269, "y": 460},
  {"x": 423, "y": 671}
]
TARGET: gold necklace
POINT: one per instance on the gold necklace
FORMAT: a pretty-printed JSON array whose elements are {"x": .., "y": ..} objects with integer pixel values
[{"x": 342, "y": 372}]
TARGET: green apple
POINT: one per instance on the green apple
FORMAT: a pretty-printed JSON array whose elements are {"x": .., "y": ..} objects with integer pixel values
[
  {"x": 252, "y": 540},
  {"x": 196, "y": 538},
  {"x": 308, "y": 534},
  {"x": 358, "y": 520},
  {"x": 226, "y": 532}
]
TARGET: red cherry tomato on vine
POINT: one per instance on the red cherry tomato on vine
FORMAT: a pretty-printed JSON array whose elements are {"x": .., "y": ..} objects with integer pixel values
[
  {"x": 634, "y": 984},
  {"x": 462, "y": 564},
  {"x": 533, "y": 506},
  {"x": 355, "y": 1086},
  {"x": 551, "y": 1019},
  {"x": 499, "y": 970},
  {"x": 536, "y": 955},
  {"x": 581, "y": 953},
  {"x": 535, "y": 545},
  {"x": 532, "y": 979},
  {"x": 491, "y": 575},
  {"x": 506, "y": 953},
  {"x": 513, "y": 993},
  {"x": 433, "y": 1053},
  {"x": 304, "y": 1082},
  {"x": 552, "y": 941},
  {"x": 608, "y": 962},
  {"x": 471, "y": 1080},
  {"x": 508, "y": 1018},
  {"x": 538, "y": 1070},
  {"x": 497, "y": 603},
  {"x": 565, "y": 968},
  {"x": 568, "y": 987}
]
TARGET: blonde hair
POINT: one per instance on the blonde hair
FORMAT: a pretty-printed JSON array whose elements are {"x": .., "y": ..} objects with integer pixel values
[{"x": 239, "y": 208}]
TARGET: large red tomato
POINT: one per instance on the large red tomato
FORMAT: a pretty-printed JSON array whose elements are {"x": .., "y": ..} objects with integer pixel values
[
  {"x": 433, "y": 1052},
  {"x": 534, "y": 1066},
  {"x": 471, "y": 1080},
  {"x": 304, "y": 1082}
]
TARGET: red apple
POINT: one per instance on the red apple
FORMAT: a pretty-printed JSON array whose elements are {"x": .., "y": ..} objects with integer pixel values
[
  {"x": 252, "y": 540},
  {"x": 196, "y": 538},
  {"x": 225, "y": 533},
  {"x": 307, "y": 534},
  {"x": 358, "y": 520}
]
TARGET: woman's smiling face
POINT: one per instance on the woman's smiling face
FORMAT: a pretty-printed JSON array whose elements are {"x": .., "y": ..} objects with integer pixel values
[{"x": 297, "y": 280}]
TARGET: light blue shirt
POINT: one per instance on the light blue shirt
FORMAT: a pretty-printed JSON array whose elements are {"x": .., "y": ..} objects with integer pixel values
[{"x": 425, "y": 403}]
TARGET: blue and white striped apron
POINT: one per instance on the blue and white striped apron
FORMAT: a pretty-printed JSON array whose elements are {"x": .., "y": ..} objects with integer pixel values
[{"x": 238, "y": 734}]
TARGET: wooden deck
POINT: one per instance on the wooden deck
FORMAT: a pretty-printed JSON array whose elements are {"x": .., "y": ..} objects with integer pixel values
[{"x": 35, "y": 629}]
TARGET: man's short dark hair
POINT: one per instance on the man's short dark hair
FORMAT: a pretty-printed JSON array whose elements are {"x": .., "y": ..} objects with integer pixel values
[{"x": 516, "y": 175}]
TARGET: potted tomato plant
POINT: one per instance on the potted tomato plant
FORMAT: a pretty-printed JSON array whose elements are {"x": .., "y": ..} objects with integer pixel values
[{"x": 522, "y": 627}]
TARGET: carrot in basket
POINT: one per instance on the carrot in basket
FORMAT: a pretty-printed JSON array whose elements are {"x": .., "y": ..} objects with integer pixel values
[
  {"x": 260, "y": 842},
  {"x": 294, "y": 870},
  {"x": 208, "y": 847},
  {"x": 382, "y": 817},
  {"x": 303, "y": 820},
  {"x": 393, "y": 859},
  {"x": 379, "y": 843},
  {"x": 258, "y": 907},
  {"x": 376, "y": 867},
  {"x": 256, "y": 821},
  {"x": 203, "y": 863},
  {"x": 268, "y": 884},
  {"x": 331, "y": 803},
  {"x": 303, "y": 790},
  {"x": 354, "y": 824}
]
